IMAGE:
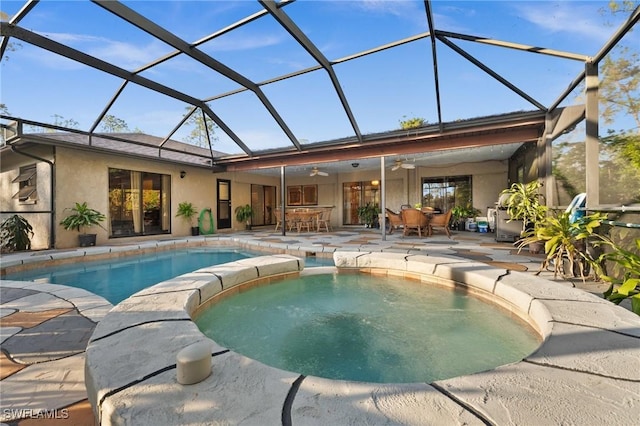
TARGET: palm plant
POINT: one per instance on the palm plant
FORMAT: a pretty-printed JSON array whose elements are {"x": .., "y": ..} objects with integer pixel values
[
  {"x": 627, "y": 285},
  {"x": 15, "y": 233},
  {"x": 244, "y": 214},
  {"x": 564, "y": 239},
  {"x": 82, "y": 217},
  {"x": 524, "y": 202}
]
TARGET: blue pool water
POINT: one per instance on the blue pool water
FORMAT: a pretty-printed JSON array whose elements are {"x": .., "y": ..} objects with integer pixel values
[
  {"x": 118, "y": 278},
  {"x": 367, "y": 328}
]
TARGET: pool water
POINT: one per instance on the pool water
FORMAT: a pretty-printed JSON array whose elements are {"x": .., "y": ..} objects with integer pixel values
[
  {"x": 118, "y": 278},
  {"x": 367, "y": 328}
]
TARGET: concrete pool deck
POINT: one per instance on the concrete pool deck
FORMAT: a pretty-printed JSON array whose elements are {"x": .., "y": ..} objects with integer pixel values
[{"x": 584, "y": 365}]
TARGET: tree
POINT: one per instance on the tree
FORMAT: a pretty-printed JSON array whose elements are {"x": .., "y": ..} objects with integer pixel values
[
  {"x": 113, "y": 124},
  {"x": 11, "y": 46},
  {"x": 201, "y": 126},
  {"x": 69, "y": 123},
  {"x": 412, "y": 123}
]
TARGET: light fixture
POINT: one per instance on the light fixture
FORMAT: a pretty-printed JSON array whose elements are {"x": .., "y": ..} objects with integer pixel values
[
  {"x": 182, "y": 174},
  {"x": 354, "y": 165},
  {"x": 375, "y": 182}
]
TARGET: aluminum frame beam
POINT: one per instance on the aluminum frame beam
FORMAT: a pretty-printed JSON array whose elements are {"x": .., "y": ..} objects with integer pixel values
[
  {"x": 155, "y": 30},
  {"x": 302, "y": 39}
]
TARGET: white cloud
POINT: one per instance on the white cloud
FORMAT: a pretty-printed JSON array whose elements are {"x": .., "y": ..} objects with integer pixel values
[
  {"x": 122, "y": 54},
  {"x": 566, "y": 17},
  {"x": 234, "y": 42}
]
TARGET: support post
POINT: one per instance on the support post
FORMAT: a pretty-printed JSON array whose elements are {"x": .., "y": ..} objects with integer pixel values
[{"x": 592, "y": 148}]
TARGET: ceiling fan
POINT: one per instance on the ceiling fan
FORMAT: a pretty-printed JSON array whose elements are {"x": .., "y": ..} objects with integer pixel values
[
  {"x": 316, "y": 172},
  {"x": 399, "y": 164}
]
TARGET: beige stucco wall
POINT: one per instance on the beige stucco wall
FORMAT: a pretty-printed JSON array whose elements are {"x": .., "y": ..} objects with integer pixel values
[
  {"x": 38, "y": 214},
  {"x": 83, "y": 176},
  {"x": 489, "y": 178},
  {"x": 199, "y": 187}
]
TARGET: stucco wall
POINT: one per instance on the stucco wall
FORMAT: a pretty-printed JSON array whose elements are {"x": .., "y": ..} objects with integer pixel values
[
  {"x": 37, "y": 213},
  {"x": 84, "y": 176},
  {"x": 489, "y": 178}
]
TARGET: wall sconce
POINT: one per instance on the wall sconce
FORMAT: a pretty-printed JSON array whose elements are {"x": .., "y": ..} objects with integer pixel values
[
  {"x": 375, "y": 182},
  {"x": 182, "y": 174}
]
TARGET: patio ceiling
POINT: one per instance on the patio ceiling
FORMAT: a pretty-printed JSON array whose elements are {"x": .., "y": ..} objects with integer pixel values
[{"x": 311, "y": 92}]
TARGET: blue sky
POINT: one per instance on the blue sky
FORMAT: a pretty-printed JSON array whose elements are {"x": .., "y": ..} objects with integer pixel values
[{"x": 381, "y": 88}]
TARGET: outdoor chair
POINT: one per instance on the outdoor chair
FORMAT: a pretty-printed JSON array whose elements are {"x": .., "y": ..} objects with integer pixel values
[
  {"x": 278, "y": 216},
  {"x": 414, "y": 220},
  {"x": 324, "y": 220},
  {"x": 394, "y": 220},
  {"x": 440, "y": 221}
]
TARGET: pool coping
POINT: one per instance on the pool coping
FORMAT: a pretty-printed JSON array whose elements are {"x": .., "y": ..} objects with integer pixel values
[{"x": 580, "y": 374}]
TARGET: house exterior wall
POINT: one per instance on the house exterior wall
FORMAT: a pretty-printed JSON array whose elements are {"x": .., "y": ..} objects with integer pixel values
[
  {"x": 37, "y": 213},
  {"x": 92, "y": 169},
  {"x": 488, "y": 179},
  {"x": 82, "y": 175}
]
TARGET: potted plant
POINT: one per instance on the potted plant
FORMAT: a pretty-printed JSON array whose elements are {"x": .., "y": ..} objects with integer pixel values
[
  {"x": 82, "y": 218},
  {"x": 524, "y": 202},
  {"x": 369, "y": 215},
  {"x": 565, "y": 242},
  {"x": 460, "y": 215},
  {"x": 15, "y": 234},
  {"x": 188, "y": 212},
  {"x": 244, "y": 214}
]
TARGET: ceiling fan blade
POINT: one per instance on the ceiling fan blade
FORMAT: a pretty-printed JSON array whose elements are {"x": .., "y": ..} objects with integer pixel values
[
  {"x": 396, "y": 167},
  {"x": 322, "y": 173},
  {"x": 408, "y": 166}
]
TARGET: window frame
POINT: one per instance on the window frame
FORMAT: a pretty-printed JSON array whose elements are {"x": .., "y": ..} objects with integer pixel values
[{"x": 28, "y": 184}]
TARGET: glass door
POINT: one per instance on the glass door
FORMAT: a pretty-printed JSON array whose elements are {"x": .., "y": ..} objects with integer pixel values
[
  {"x": 224, "y": 204},
  {"x": 356, "y": 195}
]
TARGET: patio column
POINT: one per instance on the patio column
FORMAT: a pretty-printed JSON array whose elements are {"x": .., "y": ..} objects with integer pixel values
[
  {"x": 383, "y": 199},
  {"x": 592, "y": 148},
  {"x": 283, "y": 194}
]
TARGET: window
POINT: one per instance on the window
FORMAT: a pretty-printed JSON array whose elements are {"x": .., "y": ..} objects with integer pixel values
[
  {"x": 444, "y": 193},
  {"x": 302, "y": 195},
  {"x": 27, "y": 178},
  {"x": 139, "y": 203}
]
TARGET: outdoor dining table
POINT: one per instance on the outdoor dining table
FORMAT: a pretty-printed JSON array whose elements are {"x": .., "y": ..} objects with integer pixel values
[{"x": 303, "y": 220}]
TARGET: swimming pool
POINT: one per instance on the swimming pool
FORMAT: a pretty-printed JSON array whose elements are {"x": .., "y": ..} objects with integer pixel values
[
  {"x": 118, "y": 278},
  {"x": 367, "y": 328}
]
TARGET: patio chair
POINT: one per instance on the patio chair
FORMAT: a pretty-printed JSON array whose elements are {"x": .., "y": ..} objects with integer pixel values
[
  {"x": 394, "y": 220},
  {"x": 278, "y": 216},
  {"x": 414, "y": 220},
  {"x": 440, "y": 221},
  {"x": 324, "y": 220}
]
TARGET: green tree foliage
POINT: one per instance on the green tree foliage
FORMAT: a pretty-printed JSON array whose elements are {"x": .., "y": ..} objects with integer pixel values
[
  {"x": 620, "y": 85},
  {"x": 113, "y": 124},
  {"x": 412, "y": 123},
  {"x": 619, "y": 95},
  {"x": 200, "y": 127},
  {"x": 59, "y": 120},
  {"x": 11, "y": 46}
]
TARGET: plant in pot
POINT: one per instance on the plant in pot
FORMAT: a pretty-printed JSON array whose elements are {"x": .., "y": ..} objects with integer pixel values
[
  {"x": 460, "y": 214},
  {"x": 15, "y": 234},
  {"x": 369, "y": 215},
  {"x": 244, "y": 214},
  {"x": 83, "y": 217},
  {"x": 565, "y": 242},
  {"x": 188, "y": 212},
  {"x": 524, "y": 202}
]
